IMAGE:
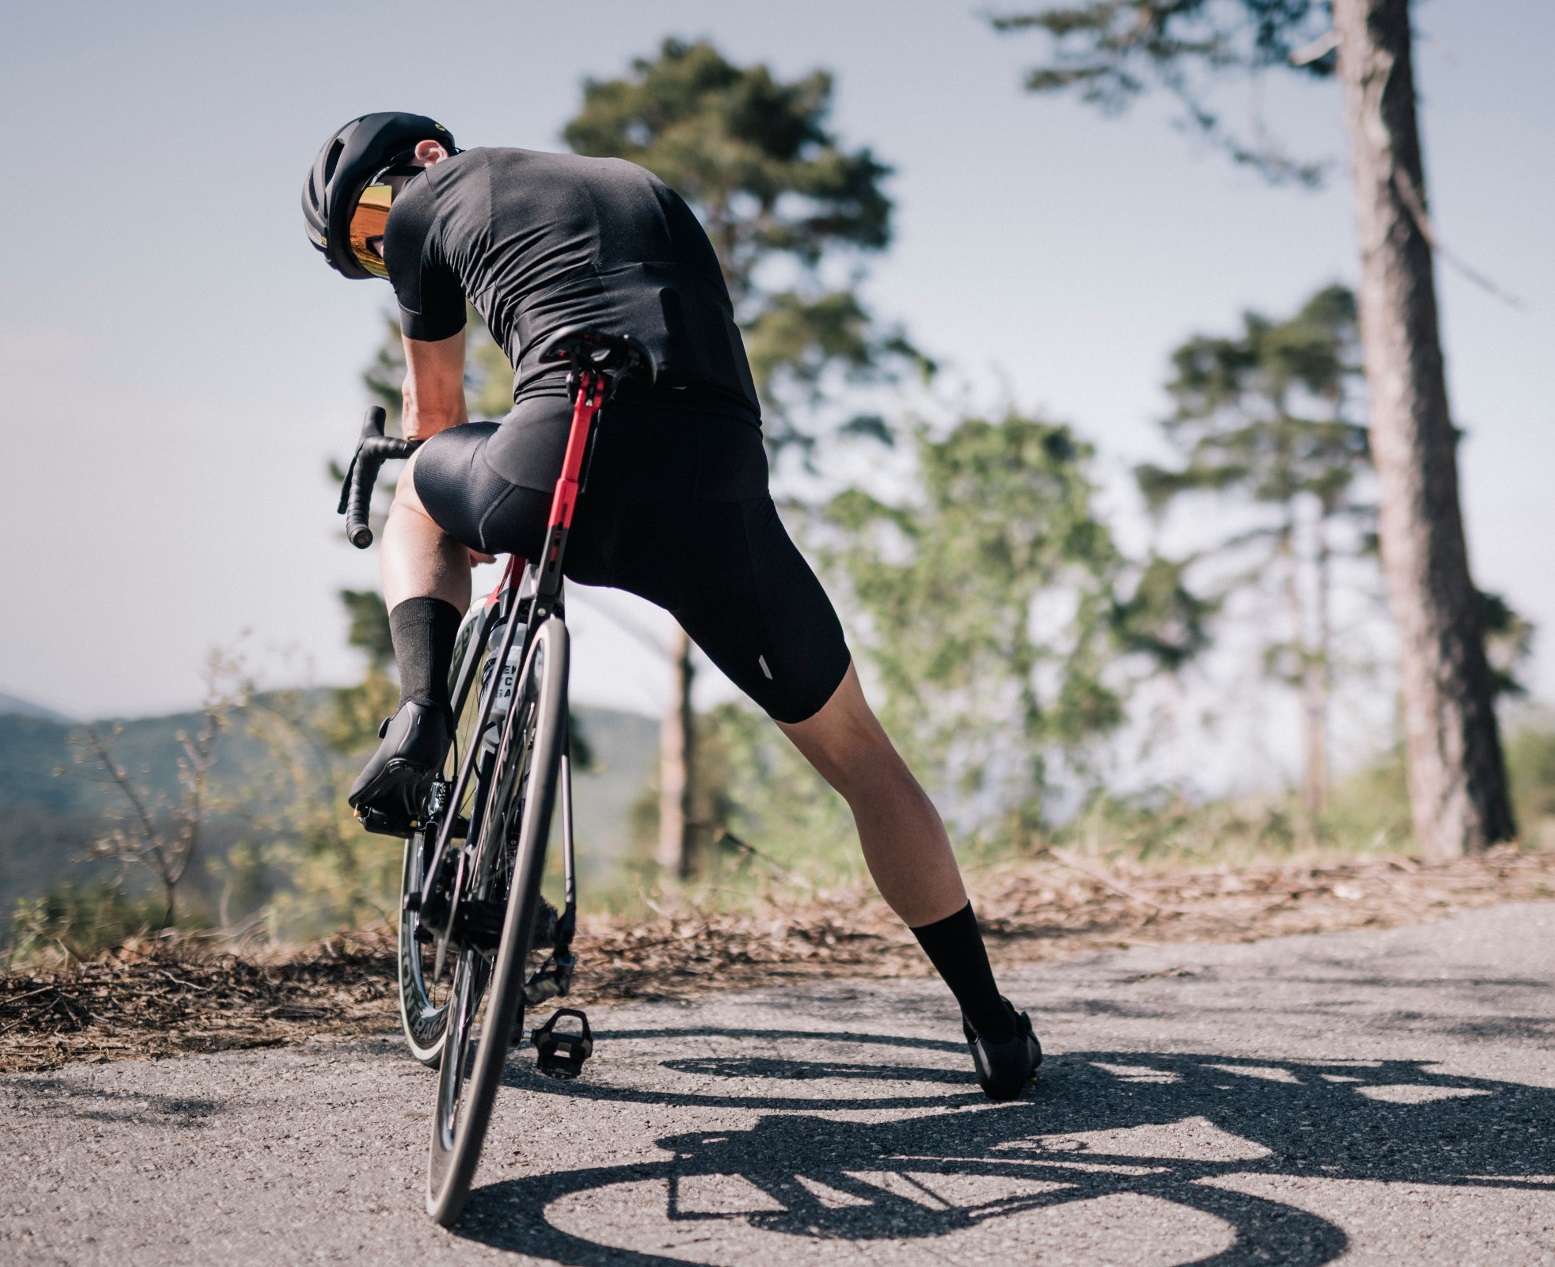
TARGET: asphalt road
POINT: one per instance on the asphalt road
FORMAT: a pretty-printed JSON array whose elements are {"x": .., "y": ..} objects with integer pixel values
[{"x": 1368, "y": 1097}]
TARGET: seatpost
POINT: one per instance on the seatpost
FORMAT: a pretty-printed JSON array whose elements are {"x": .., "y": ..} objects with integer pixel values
[{"x": 592, "y": 387}]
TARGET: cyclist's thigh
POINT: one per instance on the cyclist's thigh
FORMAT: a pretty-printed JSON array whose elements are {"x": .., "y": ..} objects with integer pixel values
[
  {"x": 464, "y": 479},
  {"x": 466, "y": 498},
  {"x": 729, "y": 572}
]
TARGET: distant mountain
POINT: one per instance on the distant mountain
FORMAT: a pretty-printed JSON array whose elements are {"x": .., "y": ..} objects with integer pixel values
[
  {"x": 16, "y": 706},
  {"x": 53, "y": 804}
]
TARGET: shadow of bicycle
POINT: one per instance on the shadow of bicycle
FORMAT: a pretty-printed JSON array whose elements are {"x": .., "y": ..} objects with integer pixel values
[{"x": 1096, "y": 1127}]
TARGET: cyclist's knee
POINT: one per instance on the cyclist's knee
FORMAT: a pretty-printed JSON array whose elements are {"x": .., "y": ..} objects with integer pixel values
[{"x": 846, "y": 742}]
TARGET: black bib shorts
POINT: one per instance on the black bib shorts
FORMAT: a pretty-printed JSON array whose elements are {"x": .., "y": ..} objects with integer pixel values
[{"x": 676, "y": 509}]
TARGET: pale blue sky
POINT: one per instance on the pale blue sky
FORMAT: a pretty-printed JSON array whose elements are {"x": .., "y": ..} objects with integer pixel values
[{"x": 178, "y": 363}]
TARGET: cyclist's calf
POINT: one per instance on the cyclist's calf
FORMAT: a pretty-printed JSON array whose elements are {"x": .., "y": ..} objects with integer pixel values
[
  {"x": 417, "y": 558},
  {"x": 901, "y": 833}
]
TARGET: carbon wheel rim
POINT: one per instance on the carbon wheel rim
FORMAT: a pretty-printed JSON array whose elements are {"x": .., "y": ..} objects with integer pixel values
[
  {"x": 423, "y": 1008},
  {"x": 487, "y": 1008}
]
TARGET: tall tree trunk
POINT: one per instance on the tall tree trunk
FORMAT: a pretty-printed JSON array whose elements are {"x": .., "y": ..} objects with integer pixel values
[
  {"x": 677, "y": 749},
  {"x": 1457, "y": 781}
]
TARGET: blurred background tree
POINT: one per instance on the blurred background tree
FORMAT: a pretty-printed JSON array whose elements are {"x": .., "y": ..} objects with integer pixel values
[
  {"x": 155, "y": 834},
  {"x": 791, "y": 210},
  {"x": 1000, "y": 615},
  {"x": 1112, "y": 51},
  {"x": 1266, "y": 421}
]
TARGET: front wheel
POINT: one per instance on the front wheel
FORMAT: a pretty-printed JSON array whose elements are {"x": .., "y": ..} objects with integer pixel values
[
  {"x": 424, "y": 998},
  {"x": 486, "y": 1007}
]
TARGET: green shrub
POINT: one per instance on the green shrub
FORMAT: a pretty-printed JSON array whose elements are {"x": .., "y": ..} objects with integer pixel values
[{"x": 81, "y": 920}]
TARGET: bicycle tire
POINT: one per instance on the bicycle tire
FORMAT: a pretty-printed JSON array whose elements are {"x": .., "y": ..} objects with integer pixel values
[
  {"x": 424, "y": 1019},
  {"x": 468, "y": 1081}
]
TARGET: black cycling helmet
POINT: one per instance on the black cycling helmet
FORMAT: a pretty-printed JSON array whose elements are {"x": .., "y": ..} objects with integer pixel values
[{"x": 353, "y": 158}]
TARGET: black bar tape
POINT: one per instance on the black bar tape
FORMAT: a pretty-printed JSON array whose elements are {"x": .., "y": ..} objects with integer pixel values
[{"x": 373, "y": 450}]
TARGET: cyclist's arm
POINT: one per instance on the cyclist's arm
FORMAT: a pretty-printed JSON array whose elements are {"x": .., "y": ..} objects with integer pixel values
[
  {"x": 434, "y": 385},
  {"x": 431, "y": 314}
]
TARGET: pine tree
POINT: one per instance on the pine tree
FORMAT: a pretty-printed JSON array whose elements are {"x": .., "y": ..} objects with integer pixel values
[
  {"x": 1266, "y": 420},
  {"x": 1112, "y": 51}
]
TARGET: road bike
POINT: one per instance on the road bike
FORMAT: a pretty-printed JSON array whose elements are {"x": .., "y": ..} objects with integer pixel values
[{"x": 472, "y": 912}]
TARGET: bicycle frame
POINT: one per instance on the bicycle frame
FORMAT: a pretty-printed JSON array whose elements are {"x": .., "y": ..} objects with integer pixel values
[{"x": 540, "y": 584}]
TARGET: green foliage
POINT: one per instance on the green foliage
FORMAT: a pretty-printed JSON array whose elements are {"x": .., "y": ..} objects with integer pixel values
[
  {"x": 1268, "y": 425},
  {"x": 1368, "y": 809},
  {"x": 1269, "y": 417},
  {"x": 999, "y": 613},
  {"x": 1530, "y": 765},
  {"x": 368, "y": 630},
  {"x": 357, "y": 711},
  {"x": 762, "y": 821},
  {"x": 1267, "y": 413},
  {"x": 331, "y": 874},
  {"x": 1367, "y": 813},
  {"x": 753, "y": 153},
  {"x": 83, "y": 920},
  {"x": 780, "y": 196},
  {"x": 1371, "y": 805},
  {"x": 1111, "y": 52},
  {"x": 1265, "y": 423},
  {"x": 1508, "y": 642},
  {"x": 1163, "y": 618},
  {"x": 1168, "y": 830}
]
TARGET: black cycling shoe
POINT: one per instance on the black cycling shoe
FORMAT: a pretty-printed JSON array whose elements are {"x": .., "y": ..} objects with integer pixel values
[
  {"x": 390, "y": 793},
  {"x": 1004, "y": 1069}
]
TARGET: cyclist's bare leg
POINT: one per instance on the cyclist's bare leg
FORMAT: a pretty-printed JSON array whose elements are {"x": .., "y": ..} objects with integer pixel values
[
  {"x": 426, "y": 585},
  {"x": 902, "y": 834},
  {"x": 910, "y": 858},
  {"x": 417, "y": 559}
]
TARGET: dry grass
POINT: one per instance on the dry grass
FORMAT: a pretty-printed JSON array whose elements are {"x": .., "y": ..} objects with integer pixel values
[{"x": 165, "y": 997}]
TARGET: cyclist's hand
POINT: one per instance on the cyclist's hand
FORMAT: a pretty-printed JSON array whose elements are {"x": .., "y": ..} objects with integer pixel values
[{"x": 477, "y": 558}]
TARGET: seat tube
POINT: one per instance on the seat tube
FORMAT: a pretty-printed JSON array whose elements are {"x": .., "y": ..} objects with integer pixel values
[
  {"x": 592, "y": 386},
  {"x": 591, "y": 393}
]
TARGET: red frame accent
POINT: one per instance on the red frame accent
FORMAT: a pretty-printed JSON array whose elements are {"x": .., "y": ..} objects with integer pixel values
[
  {"x": 585, "y": 407},
  {"x": 591, "y": 395}
]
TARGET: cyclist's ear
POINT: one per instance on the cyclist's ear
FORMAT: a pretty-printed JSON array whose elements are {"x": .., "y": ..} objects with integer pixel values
[{"x": 429, "y": 152}]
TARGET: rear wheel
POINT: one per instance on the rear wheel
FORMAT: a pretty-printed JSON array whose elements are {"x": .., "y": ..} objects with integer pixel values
[
  {"x": 486, "y": 1007},
  {"x": 423, "y": 1007}
]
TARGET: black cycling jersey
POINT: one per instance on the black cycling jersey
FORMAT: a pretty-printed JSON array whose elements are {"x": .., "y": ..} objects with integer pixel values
[
  {"x": 540, "y": 242},
  {"x": 676, "y": 507}
]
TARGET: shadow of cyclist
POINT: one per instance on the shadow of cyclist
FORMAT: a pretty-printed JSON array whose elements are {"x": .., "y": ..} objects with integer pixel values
[{"x": 1078, "y": 1139}]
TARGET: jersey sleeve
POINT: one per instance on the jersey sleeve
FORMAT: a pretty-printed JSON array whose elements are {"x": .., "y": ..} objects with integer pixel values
[{"x": 430, "y": 297}]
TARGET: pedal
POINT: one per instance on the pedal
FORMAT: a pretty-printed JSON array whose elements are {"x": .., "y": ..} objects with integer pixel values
[
  {"x": 562, "y": 1053},
  {"x": 551, "y": 980}
]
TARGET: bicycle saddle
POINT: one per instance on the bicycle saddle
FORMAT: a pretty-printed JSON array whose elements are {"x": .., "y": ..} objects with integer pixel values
[{"x": 616, "y": 354}]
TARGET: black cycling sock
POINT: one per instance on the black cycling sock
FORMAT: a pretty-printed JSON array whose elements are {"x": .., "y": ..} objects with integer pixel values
[
  {"x": 423, "y": 632},
  {"x": 954, "y": 946}
]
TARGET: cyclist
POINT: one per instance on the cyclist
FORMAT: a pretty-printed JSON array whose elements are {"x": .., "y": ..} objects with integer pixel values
[{"x": 677, "y": 508}]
